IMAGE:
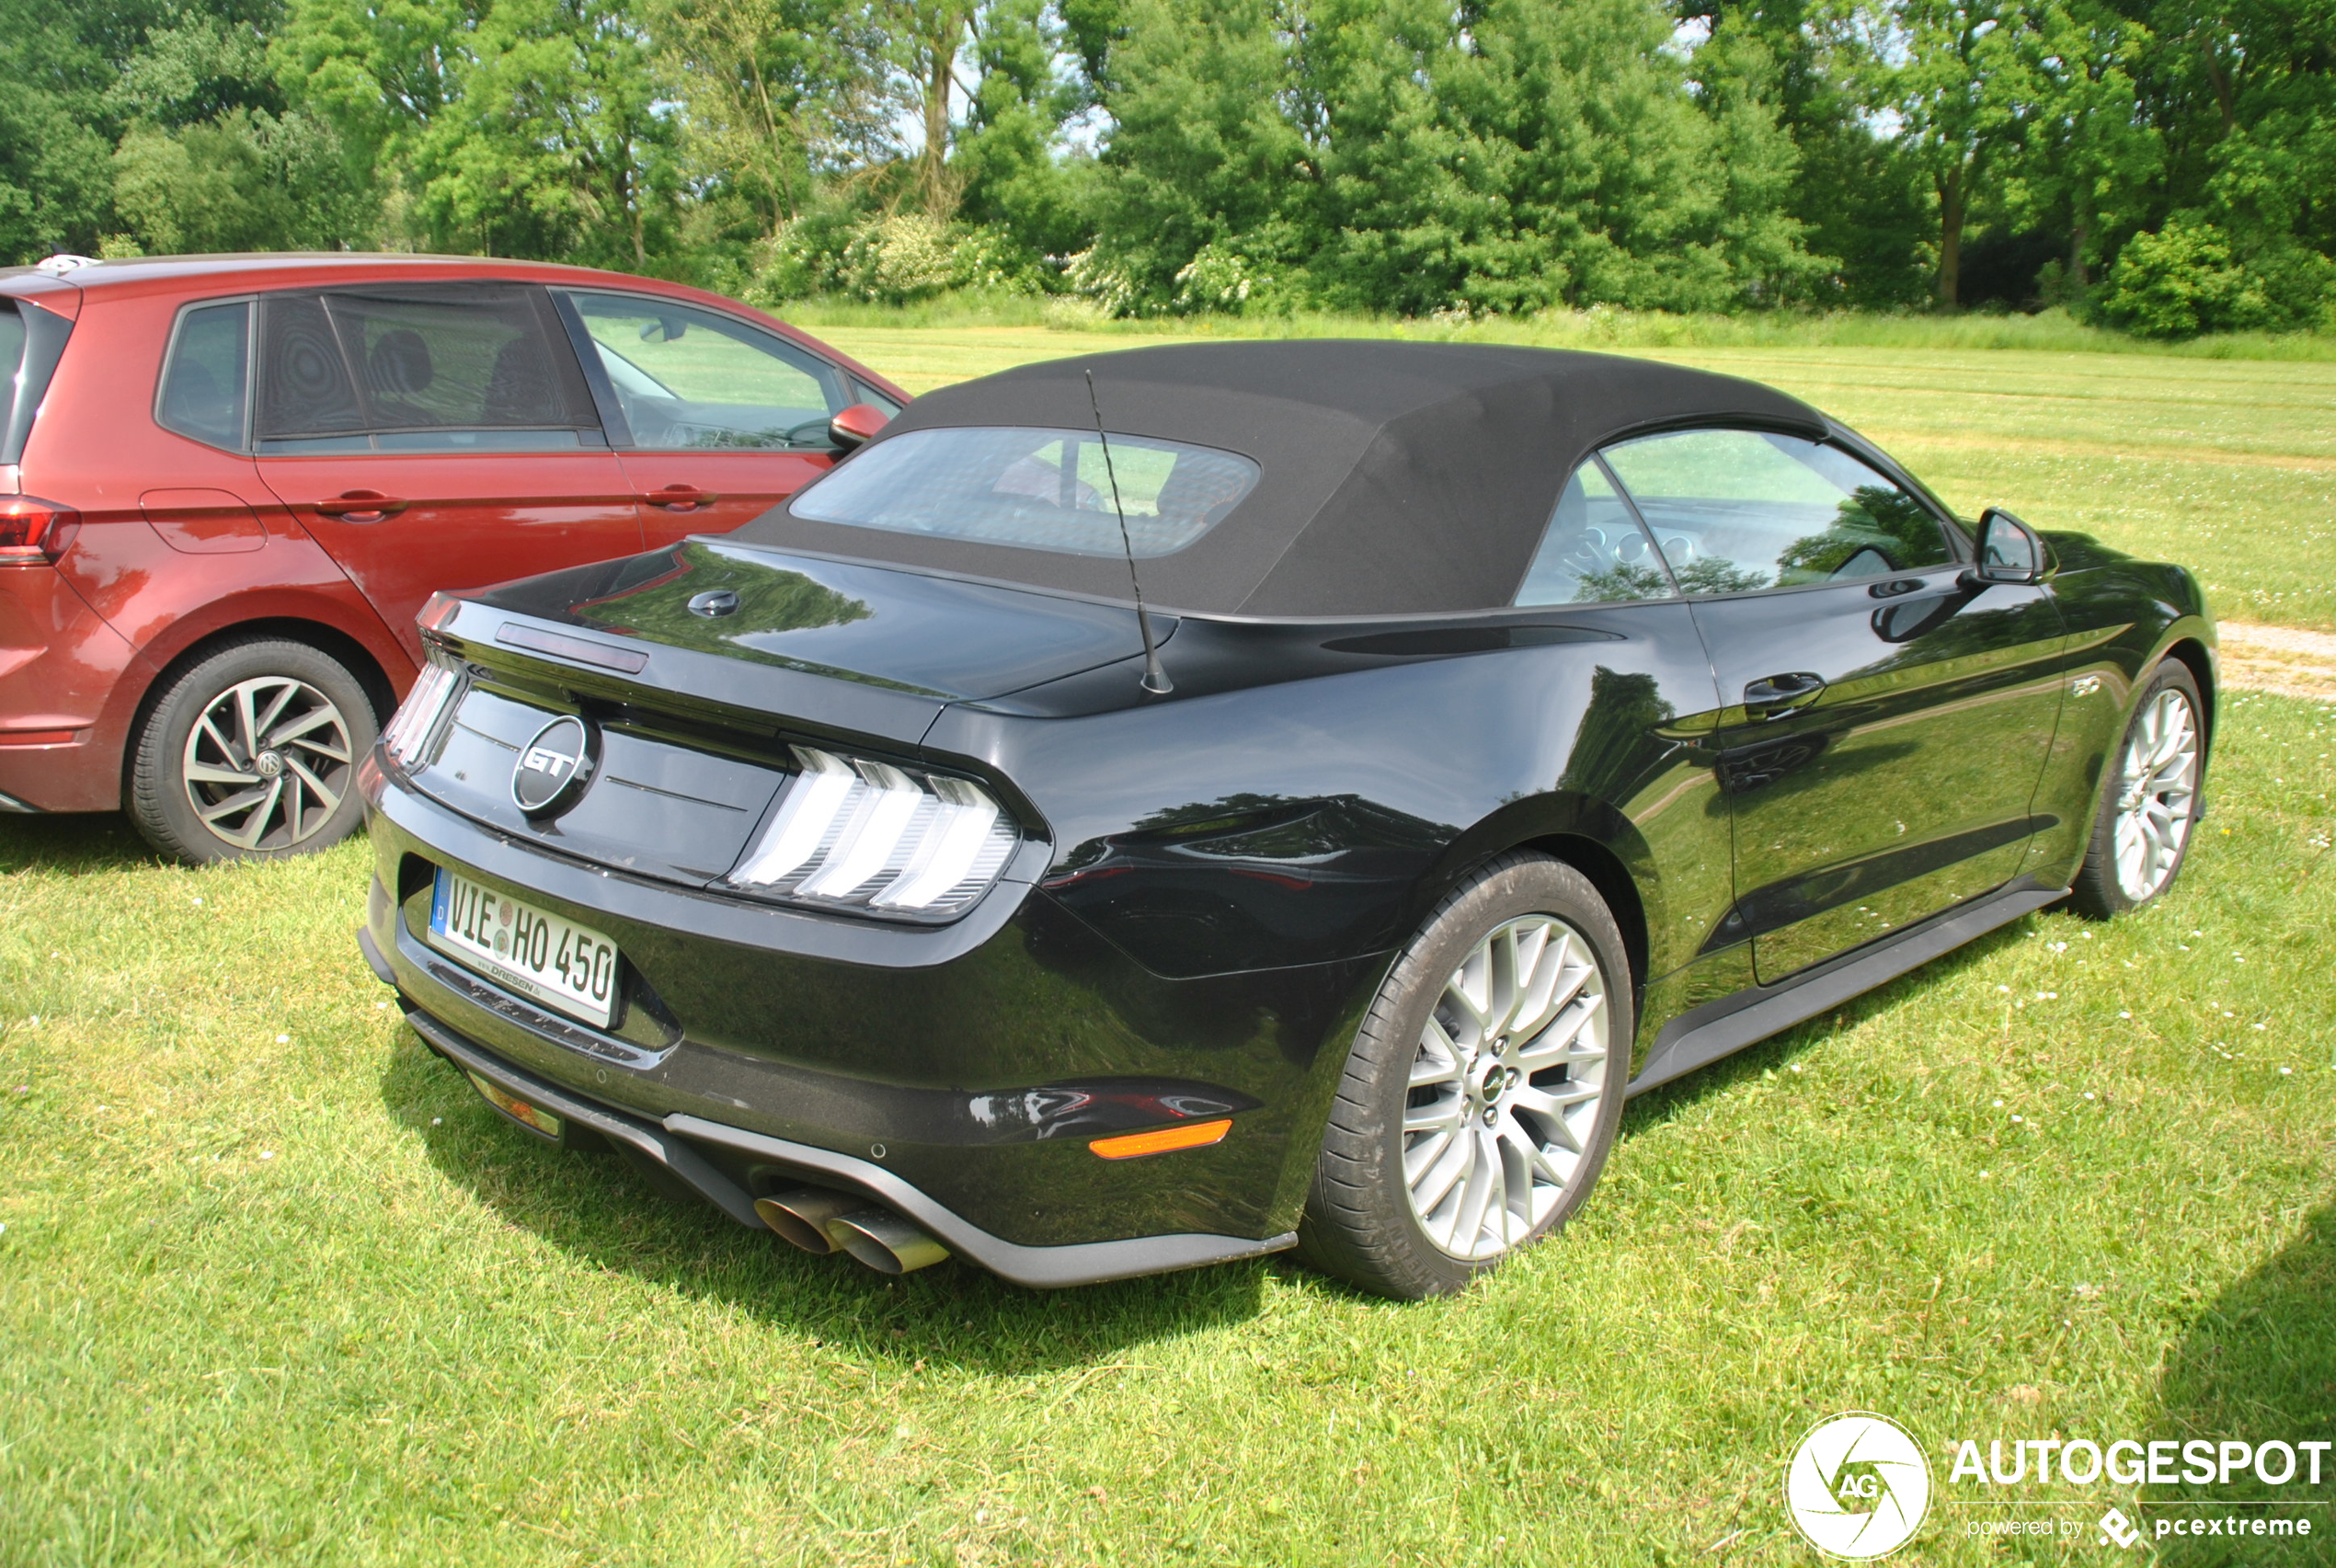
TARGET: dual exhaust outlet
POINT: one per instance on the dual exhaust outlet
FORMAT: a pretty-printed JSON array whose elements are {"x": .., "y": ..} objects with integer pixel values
[{"x": 821, "y": 1221}]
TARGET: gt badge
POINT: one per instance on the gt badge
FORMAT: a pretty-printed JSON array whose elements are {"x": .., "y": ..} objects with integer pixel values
[{"x": 553, "y": 768}]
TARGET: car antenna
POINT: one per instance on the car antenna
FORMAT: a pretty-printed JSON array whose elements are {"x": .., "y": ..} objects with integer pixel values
[{"x": 1155, "y": 679}]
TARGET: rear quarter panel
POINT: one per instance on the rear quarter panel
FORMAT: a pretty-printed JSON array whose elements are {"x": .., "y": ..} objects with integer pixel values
[{"x": 1320, "y": 819}]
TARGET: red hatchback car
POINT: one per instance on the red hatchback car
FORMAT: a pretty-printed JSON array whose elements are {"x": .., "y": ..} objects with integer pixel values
[{"x": 228, "y": 484}]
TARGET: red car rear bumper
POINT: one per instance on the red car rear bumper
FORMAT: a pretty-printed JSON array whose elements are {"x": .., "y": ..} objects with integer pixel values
[{"x": 60, "y": 666}]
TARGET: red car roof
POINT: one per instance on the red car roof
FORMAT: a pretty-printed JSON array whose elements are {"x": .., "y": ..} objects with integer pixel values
[{"x": 196, "y": 275}]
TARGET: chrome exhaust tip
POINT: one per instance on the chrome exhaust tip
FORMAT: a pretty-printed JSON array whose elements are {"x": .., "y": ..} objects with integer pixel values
[
  {"x": 803, "y": 1216},
  {"x": 885, "y": 1242}
]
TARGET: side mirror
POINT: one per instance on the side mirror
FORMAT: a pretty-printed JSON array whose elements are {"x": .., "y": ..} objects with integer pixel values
[
  {"x": 2010, "y": 551},
  {"x": 854, "y": 426}
]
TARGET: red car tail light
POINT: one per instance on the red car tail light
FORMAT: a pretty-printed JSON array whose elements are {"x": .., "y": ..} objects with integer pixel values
[{"x": 35, "y": 532}]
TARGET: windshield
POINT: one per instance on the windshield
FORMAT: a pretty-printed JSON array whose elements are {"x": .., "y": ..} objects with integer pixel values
[{"x": 1038, "y": 489}]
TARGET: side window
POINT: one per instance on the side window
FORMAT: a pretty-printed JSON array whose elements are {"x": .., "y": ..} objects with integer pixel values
[
  {"x": 461, "y": 368},
  {"x": 203, "y": 380},
  {"x": 1736, "y": 511},
  {"x": 863, "y": 393},
  {"x": 1594, "y": 551},
  {"x": 691, "y": 378}
]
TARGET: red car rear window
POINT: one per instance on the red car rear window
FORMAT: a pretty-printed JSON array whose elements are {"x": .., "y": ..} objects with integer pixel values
[{"x": 32, "y": 342}]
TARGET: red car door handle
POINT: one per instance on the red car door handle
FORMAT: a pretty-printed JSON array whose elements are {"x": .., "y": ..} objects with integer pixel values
[
  {"x": 680, "y": 498},
  {"x": 359, "y": 506}
]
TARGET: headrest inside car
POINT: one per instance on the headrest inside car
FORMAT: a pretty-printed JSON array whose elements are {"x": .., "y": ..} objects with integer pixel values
[{"x": 399, "y": 363}]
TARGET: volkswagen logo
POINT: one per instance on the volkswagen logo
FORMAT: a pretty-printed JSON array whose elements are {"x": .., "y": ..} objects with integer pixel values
[{"x": 553, "y": 768}]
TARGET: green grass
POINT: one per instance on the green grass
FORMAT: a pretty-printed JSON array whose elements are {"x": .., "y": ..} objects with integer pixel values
[
  {"x": 2227, "y": 465},
  {"x": 275, "y": 1287},
  {"x": 1599, "y": 327}
]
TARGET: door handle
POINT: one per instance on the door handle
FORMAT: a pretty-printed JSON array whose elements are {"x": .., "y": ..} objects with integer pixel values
[
  {"x": 1775, "y": 696},
  {"x": 680, "y": 498},
  {"x": 359, "y": 506}
]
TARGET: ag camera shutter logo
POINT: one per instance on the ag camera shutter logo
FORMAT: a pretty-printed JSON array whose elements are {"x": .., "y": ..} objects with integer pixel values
[{"x": 1858, "y": 1486}]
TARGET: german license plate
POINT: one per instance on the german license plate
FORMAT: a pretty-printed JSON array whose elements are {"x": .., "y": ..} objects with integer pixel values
[{"x": 534, "y": 952}]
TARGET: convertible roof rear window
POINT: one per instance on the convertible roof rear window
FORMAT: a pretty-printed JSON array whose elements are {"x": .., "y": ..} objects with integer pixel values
[
  {"x": 1385, "y": 478},
  {"x": 1035, "y": 487}
]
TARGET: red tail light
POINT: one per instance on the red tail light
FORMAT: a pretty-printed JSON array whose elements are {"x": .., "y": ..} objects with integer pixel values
[{"x": 35, "y": 532}]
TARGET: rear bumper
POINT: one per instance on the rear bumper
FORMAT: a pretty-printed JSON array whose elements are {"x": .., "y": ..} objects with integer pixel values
[
  {"x": 60, "y": 667},
  {"x": 707, "y": 1156},
  {"x": 955, "y": 1075}
]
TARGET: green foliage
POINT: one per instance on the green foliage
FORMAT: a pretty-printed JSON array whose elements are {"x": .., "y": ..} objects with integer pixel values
[
  {"x": 246, "y": 180},
  {"x": 2182, "y": 281},
  {"x": 1200, "y": 149},
  {"x": 1215, "y": 157},
  {"x": 889, "y": 260},
  {"x": 557, "y": 144},
  {"x": 1395, "y": 154}
]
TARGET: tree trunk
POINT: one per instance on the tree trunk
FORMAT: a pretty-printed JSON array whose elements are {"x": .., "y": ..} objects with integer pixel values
[
  {"x": 940, "y": 202},
  {"x": 2077, "y": 233},
  {"x": 2221, "y": 82},
  {"x": 1949, "y": 235}
]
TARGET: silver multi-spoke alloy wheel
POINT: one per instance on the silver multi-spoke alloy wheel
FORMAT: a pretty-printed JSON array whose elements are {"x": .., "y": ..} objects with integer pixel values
[
  {"x": 268, "y": 762},
  {"x": 2156, "y": 796},
  {"x": 1506, "y": 1087}
]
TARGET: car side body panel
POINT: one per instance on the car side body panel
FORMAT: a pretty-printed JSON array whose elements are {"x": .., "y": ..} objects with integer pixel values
[
  {"x": 181, "y": 542},
  {"x": 2124, "y": 616}
]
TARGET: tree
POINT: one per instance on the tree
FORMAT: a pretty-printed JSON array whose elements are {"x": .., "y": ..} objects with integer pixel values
[
  {"x": 381, "y": 72},
  {"x": 557, "y": 142},
  {"x": 1202, "y": 150},
  {"x": 1404, "y": 156},
  {"x": 924, "y": 39},
  {"x": 1007, "y": 152},
  {"x": 776, "y": 94},
  {"x": 2087, "y": 159},
  {"x": 1860, "y": 203},
  {"x": 214, "y": 156},
  {"x": 1959, "y": 96}
]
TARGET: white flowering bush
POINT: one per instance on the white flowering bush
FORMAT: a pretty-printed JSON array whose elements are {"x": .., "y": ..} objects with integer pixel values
[
  {"x": 888, "y": 258},
  {"x": 1219, "y": 279},
  {"x": 1091, "y": 277}
]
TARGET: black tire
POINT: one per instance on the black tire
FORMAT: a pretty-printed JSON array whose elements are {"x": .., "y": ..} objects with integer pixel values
[
  {"x": 1362, "y": 1223},
  {"x": 2098, "y": 891},
  {"x": 318, "y": 693}
]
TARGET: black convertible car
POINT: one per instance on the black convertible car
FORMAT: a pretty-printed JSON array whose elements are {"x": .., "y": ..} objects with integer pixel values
[{"x": 1509, "y": 731}]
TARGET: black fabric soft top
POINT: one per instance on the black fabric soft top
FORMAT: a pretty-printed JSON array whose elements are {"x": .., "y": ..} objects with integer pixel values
[{"x": 1398, "y": 478}]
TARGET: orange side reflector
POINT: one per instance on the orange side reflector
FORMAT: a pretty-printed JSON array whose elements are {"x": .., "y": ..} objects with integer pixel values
[{"x": 1192, "y": 1135}]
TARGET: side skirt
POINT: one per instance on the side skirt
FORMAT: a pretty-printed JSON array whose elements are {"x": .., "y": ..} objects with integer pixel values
[{"x": 1703, "y": 1036}]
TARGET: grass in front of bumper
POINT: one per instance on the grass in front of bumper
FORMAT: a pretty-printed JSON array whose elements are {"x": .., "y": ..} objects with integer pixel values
[{"x": 276, "y": 1286}]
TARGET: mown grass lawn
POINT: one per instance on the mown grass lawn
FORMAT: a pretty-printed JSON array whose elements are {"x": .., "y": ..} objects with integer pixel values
[{"x": 276, "y": 1288}]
